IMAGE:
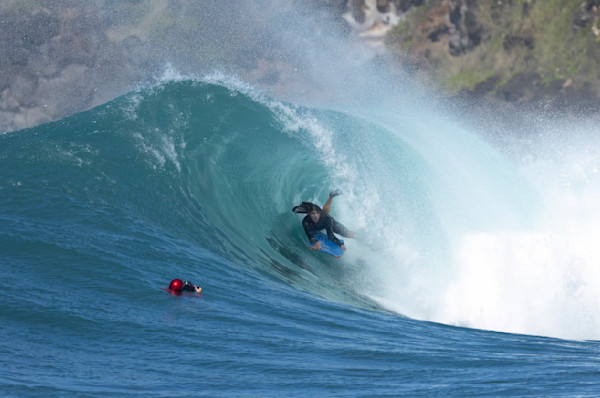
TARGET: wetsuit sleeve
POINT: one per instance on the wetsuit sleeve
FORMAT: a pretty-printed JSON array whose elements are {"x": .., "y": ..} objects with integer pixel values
[
  {"x": 188, "y": 286},
  {"x": 329, "y": 229},
  {"x": 306, "y": 224},
  {"x": 340, "y": 229}
]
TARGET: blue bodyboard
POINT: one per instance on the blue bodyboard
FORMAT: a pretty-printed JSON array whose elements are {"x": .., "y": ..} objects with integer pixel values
[{"x": 328, "y": 246}]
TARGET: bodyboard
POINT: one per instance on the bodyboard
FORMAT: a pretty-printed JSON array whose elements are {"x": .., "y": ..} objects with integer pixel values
[{"x": 328, "y": 246}]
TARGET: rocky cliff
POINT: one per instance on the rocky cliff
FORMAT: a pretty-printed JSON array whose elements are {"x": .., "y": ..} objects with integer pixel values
[
  {"x": 58, "y": 57},
  {"x": 544, "y": 52},
  {"x": 54, "y": 58}
]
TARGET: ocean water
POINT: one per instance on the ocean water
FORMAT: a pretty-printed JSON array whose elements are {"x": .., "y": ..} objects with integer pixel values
[{"x": 474, "y": 271}]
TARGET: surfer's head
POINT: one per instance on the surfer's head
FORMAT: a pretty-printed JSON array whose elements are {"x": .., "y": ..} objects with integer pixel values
[
  {"x": 315, "y": 213},
  {"x": 176, "y": 285}
]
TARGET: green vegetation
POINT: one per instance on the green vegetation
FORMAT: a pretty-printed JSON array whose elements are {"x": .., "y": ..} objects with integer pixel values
[
  {"x": 400, "y": 36},
  {"x": 547, "y": 37},
  {"x": 467, "y": 79}
]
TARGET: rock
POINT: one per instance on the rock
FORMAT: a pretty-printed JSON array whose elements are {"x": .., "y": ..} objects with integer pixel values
[
  {"x": 585, "y": 14},
  {"x": 66, "y": 93},
  {"x": 22, "y": 90},
  {"x": 13, "y": 56},
  {"x": 40, "y": 63},
  {"x": 486, "y": 86},
  {"x": 404, "y": 5},
  {"x": 39, "y": 29},
  {"x": 8, "y": 102},
  {"x": 466, "y": 32},
  {"x": 522, "y": 87},
  {"x": 6, "y": 121},
  {"x": 357, "y": 10},
  {"x": 437, "y": 24},
  {"x": 511, "y": 41}
]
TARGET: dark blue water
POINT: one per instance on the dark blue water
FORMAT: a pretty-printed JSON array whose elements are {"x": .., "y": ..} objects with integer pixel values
[{"x": 195, "y": 179}]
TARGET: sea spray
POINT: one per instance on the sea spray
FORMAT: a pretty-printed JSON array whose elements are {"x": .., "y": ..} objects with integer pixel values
[{"x": 542, "y": 279}]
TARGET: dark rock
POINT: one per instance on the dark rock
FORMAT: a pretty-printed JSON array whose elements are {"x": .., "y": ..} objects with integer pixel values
[
  {"x": 382, "y": 5},
  {"x": 584, "y": 15},
  {"x": 28, "y": 32},
  {"x": 455, "y": 14},
  {"x": 441, "y": 30},
  {"x": 40, "y": 29},
  {"x": 521, "y": 87},
  {"x": 486, "y": 86},
  {"x": 554, "y": 88},
  {"x": 357, "y": 9},
  {"x": 467, "y": 32},
  {"x": 510, "y": 42},
  {"x": 14, "y": 56}
]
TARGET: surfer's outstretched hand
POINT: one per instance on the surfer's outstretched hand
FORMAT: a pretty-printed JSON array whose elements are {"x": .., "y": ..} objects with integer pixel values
[{"x": 335, "y": 193}]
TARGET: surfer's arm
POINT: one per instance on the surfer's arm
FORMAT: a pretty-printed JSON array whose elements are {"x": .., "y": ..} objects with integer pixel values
[
  {"x": 190, "y": 287},
  {"x": 308, "y": 230},
  {"x": 327, "y": 206}
]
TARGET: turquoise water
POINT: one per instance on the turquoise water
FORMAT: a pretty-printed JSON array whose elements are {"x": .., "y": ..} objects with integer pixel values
[{"x": 459, "y": 282}]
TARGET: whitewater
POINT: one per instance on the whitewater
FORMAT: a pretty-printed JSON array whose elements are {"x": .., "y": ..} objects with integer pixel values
[{"x": 474, "y": 270}]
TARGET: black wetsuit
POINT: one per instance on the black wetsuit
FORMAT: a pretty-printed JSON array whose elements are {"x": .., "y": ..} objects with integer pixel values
[
  {"x": 188, "y": 287},
  {"x": 327, "y": 223}
]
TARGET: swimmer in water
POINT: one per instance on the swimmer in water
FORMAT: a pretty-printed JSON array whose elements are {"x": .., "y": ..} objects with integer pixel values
[{"x": 177, "y": 286}]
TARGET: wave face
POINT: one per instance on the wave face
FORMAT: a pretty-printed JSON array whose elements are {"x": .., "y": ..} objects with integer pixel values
[{"x": 196, "y": 178}]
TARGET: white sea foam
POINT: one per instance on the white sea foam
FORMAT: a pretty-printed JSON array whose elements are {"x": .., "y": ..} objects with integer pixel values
[
  {"x": 540, "y": 277},
  {"x": 544, "y": 279}
]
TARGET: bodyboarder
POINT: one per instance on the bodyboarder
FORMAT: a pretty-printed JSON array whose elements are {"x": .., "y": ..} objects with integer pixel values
[{"x": 318, "y": 219}]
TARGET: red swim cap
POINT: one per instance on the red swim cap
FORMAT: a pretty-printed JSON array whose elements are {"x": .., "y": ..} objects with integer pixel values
[{"x": 176, "y": 285}]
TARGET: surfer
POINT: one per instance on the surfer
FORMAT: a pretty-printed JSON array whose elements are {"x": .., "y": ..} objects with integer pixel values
[
  {"x": 177, "y": 286},
  {"x": 318, "y": 219}
]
